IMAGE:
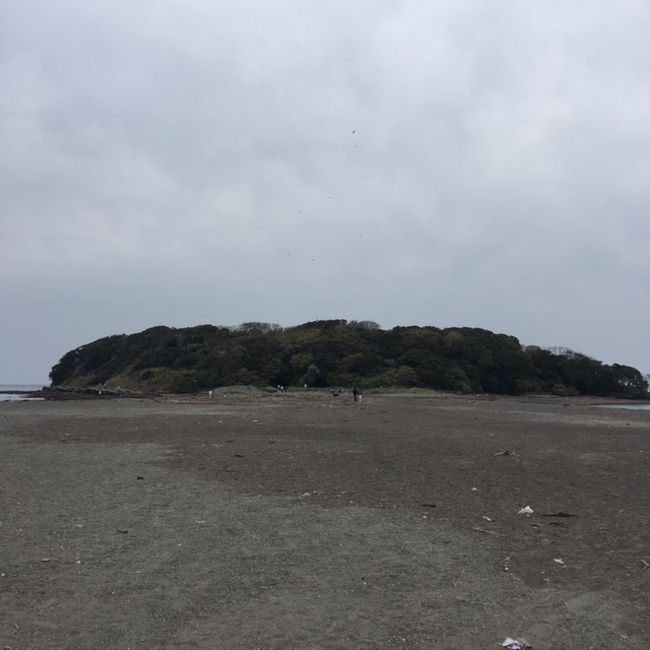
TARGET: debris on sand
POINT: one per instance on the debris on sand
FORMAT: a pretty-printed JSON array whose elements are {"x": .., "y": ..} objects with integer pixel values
[
  {"x": 526, "y": 510},
  {"x": 559, "y": 561},
  {"x": 506, "y": 452},
  {"x": 516, "y": 644},
  {"x": 558, "y": 514}
]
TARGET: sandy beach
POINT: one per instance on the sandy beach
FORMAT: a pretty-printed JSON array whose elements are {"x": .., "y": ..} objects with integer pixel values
[{"x": 280, "y": 521}]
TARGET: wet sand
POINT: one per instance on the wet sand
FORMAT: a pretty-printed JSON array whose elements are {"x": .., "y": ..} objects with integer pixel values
[{"x": 307, "y": 521}]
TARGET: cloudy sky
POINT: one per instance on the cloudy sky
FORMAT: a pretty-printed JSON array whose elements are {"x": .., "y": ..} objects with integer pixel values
[{"x": 450, "y": 162}]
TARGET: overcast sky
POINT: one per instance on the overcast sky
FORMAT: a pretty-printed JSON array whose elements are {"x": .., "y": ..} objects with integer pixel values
[{"x": 474, "y": 163}]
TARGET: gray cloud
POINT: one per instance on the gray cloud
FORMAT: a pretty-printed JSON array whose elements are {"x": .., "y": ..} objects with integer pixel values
[{"x": 449, "y": 163}]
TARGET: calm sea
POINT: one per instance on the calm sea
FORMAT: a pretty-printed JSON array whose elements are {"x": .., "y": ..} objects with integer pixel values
[{"x": 7, "y": 393}]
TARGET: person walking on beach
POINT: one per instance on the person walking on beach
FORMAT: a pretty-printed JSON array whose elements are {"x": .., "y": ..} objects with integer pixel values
[{"x": 355, "y": 394}]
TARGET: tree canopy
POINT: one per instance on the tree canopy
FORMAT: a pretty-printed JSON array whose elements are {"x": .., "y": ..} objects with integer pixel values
[{"x": 338, "y": 353}]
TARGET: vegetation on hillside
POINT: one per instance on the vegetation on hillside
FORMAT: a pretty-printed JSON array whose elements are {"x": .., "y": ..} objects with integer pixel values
[{"x": 338, "y": 353}]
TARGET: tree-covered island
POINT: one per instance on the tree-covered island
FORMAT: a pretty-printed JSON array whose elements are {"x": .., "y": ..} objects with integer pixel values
[{"x": 339, "y": 353}]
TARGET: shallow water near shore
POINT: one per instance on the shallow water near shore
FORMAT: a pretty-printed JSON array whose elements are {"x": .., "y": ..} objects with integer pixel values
[{"x": 630, "y": 407}]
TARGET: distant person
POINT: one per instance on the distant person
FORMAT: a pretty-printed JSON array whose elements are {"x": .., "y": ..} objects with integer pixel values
[{"x": 355, "y": 394}]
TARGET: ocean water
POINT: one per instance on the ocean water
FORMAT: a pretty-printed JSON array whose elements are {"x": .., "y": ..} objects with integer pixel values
[{"x": 7, "y": 393}]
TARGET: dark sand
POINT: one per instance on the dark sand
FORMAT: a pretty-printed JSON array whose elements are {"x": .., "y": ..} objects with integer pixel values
[{"x": 294, "y": 521}]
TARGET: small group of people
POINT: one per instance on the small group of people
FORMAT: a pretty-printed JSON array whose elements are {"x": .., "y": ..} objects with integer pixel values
[{"x": 357, "y": 395}]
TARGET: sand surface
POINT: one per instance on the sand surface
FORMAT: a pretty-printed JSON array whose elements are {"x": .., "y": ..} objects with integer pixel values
[{"x": 307, "y": 521}]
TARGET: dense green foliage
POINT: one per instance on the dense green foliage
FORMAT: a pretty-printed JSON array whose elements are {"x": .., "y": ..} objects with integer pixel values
[{"x": 338, "y": 353}]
